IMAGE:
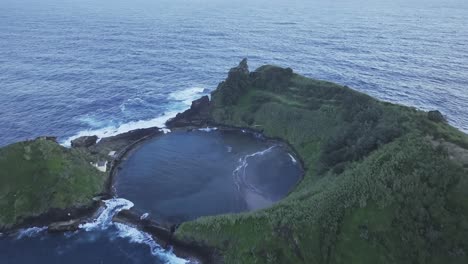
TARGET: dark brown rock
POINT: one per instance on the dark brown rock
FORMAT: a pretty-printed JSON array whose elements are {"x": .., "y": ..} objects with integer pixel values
[
  {"x": 164, "y": 235},
  {"x": 71, "y": 225},
  {"x": 197, "y": 115},
  {"x": 84, "y": 142},
  {"x": 237, "y": 83}
]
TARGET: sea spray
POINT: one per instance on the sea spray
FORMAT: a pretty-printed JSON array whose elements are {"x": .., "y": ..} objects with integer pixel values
[
  {"x": 208, "y": 129},
  {"x": 104, "y": 220},
  {"x": 144, "y": 216},
  {"x": 165, "y": 130},
  {"x": 185, "y": 96},
  {"x": 30, "y": 232},
  {"x": 116, "y": 130},
  {"x": 136, "y": 236},
  {"x": 188, "y": 95}
]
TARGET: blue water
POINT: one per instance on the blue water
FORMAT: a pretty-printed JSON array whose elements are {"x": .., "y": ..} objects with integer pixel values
[
  {"x": 100, "y": 241},
  {"x": 183, "y": 175},
  {"x": 76, "y": 67},
  {"x": 69, "y": 66}
]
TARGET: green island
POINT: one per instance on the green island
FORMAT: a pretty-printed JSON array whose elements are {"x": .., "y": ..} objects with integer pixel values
[
  {"x": 383, "y": 183},
  {"x": 39, "y": 175}
]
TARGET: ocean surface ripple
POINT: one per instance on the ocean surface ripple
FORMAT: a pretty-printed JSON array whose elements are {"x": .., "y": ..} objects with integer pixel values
[{"x": 71, "y": 68}]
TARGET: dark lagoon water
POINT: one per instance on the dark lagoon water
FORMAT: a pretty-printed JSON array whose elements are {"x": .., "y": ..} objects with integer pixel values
[{"x": 183, "y": 175}]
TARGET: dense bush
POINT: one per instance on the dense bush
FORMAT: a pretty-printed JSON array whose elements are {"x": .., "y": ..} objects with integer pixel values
[{"x": 376, "y": 188}]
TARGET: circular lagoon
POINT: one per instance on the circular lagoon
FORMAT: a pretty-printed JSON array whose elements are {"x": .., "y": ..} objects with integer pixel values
[{"x": 183, "y": 175}]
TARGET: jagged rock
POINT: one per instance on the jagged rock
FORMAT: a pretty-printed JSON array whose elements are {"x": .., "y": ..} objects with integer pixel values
[
  {"x": 235, "y": 85},
  {"x": 436, "y": 116},
  {"x": 84, "y": 142},
  {"x": 197, "y": 115},
  {"x": 240, "y": 71}
]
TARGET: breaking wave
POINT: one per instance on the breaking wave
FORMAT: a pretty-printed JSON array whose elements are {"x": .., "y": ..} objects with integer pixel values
[
  {"x": 208, "y": 129},
  {"x": 136, "y": 236},
  {"x": 184, "y": 96},
  {"x": 115, "y": 130},
  {"x": 188, "y": 95},
  {"x": 104, "y": 220},
  {"x": 131, "y": 102},
  {"x": 30, "y": 232}
]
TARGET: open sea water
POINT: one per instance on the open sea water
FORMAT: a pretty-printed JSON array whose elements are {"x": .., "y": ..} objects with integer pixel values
[
  {"x": 78, "y": 67},
  {"x": 84, "y": 67}
]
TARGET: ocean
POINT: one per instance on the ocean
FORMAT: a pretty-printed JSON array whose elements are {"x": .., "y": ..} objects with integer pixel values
[
  {"x": 82, "y": 67},
  {"x": 101, "y": 67}
]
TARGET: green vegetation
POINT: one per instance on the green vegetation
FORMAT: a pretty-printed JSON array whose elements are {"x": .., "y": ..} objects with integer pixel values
[
  {"x": 384, "y": 183},
  {"x": 38, "y": 175}
]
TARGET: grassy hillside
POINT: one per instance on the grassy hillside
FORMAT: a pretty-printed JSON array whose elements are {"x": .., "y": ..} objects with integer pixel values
[
  {"x": 384, "y": 183},
  {"x": 38, "y": 175}
]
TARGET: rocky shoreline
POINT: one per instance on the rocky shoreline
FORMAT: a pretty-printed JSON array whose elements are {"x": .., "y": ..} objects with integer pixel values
[
  {"x": 196, "y": 117},
  {"x": 69, "y": 219},
  {"x": 63, "y": 220},
  {"x": 186, "y": 240}
]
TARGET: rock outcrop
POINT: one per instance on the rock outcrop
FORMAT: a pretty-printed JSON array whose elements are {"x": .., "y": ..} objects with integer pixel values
[
  {"x": 164, "y": 236},
  {"x": 66, "y": 226},
  {"x": 236, "y": 84},
  {"x": 84, "y": 142},
  {"x": 197, "y": 115},
  {"x": 436, "y": 116}
]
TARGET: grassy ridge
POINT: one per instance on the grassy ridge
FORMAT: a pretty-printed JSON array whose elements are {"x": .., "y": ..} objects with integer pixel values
[
  {"x": 38, "y": 175},
  {"x": 382, "y": 184}
]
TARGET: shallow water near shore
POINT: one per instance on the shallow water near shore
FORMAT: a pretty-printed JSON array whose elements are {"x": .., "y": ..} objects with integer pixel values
[{"x": 184, "y": 175}]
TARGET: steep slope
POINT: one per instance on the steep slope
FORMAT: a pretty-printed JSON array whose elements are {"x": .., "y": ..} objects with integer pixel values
[
  {"x": 384, "y": 183},
  {"x": 39, "y": 175}
]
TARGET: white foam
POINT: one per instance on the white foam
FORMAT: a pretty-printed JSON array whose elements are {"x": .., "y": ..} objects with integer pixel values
[
  {"x": 240, "y": 172},
  {"x": 208, "y": 129},
  {"x": 30, "y": 232},
  {"x": 292, "y": 158},
  {"x": 144, "y": 216},
  {"x": 136, "y": 236},
  {"x": 187, "y": 96},
  {"x": 165, "y": 130},
  {"x": 92, "y": 121},
  {"x": 115, "y": 130},
  {"x": 104, "y": 220}
]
